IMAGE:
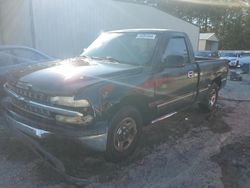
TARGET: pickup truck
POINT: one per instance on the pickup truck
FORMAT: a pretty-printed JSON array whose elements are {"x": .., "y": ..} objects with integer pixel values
[{"x": 123, "y": 81}]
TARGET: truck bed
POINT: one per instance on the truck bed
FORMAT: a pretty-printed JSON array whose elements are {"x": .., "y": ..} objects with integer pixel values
[{"x": 210, "y": 69}]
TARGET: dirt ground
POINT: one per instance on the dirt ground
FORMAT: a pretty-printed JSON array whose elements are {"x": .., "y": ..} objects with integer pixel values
[{"x": 193, "y": 149}]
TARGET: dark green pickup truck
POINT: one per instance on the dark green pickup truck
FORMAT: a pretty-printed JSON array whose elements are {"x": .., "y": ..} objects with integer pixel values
[{"x": 123, "y": 81}]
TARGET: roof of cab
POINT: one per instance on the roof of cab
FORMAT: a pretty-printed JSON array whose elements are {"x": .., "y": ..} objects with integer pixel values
[{"x": 145, "y": 30}]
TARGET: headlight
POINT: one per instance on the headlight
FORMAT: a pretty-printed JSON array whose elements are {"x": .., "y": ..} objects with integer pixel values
[{"x": 69, "y": 101}]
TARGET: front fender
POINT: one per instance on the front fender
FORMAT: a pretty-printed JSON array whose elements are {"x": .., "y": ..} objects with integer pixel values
[{"x": 106, "y": 97}]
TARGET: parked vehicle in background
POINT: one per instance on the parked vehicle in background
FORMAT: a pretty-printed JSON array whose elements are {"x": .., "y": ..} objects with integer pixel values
[
  {"x": 244, "y": 63},
  {"x": 17, "y": 57},
  {"x": 231, "y": 56},
  {"x": 123, "y": 81},
  {"x": 244, "y": 54},
  {"x": 244, "y": 60},
  {"x": 208, "y": 54}
]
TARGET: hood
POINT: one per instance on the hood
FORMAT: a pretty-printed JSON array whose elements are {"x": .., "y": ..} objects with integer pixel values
[{"x": 66, "y": 77}]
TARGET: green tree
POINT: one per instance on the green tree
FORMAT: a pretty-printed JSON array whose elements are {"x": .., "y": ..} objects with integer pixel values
[{"x": 230, "y": 20}]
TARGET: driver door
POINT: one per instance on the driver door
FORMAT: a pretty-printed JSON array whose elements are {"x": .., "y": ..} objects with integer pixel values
[{"x": 176, "y": 85}]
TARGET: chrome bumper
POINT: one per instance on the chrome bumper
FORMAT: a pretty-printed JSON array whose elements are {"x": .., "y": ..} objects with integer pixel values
[
  {"x": 95, "y": 142},
  {"x": 33, "y": 132}
]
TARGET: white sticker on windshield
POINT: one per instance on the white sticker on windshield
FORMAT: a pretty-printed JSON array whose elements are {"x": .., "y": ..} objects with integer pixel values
[{"x": 146, "y": 36}]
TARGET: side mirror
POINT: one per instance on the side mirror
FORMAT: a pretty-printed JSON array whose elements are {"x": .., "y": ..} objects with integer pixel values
[{"x": 173, "y": 61}]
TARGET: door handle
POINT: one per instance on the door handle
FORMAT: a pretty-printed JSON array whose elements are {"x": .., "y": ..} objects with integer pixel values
[{"x": 190, "y": 74}]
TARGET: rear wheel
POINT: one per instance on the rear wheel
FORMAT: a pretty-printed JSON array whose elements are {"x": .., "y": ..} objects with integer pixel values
[
  {"x": 123, "y": 134},
  {"x": 210, "y": 100}
]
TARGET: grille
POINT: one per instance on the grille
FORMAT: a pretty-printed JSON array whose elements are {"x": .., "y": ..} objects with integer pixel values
[
  {"x": 23, "y": 106},
  {"x": 29, "y": 94}
]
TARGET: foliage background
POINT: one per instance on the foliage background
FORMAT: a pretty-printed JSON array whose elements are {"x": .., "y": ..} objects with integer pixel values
[{"x": 229, "y": 19}]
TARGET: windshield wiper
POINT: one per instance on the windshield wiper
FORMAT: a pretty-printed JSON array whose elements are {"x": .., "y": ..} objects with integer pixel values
[
  {"x": 85, "y": 56},
  {"x": 111, "y": 59}
]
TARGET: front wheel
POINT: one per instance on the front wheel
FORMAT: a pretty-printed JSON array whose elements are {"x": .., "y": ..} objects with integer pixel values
[
  {"x": 209, "y": 102},
  {"x": 123, "y": 134}
]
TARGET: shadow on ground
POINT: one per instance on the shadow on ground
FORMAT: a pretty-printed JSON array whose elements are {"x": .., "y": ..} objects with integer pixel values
[{"x": 234, "y": 160}]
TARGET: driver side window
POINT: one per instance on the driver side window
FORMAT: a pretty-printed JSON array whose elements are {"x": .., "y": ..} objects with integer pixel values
[{"x": 177, "y": 46}]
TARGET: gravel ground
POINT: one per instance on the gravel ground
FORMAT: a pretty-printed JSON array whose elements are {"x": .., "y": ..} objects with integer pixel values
[{"x": 192, "y": 149}]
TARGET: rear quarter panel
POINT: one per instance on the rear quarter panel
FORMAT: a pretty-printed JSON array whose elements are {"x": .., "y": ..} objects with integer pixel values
[{"x": 211, "y": 71}]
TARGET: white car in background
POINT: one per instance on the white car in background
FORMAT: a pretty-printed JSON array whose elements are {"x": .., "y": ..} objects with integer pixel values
[
  {"x": 244, "y": 60},
  {"x": 244, "y": 64},
  {"x": 244, "y": 54},
  {"x": 231, "y": 56}
]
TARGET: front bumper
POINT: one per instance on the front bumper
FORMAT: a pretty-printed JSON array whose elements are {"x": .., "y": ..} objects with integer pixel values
[{"x": 94, "y": 138}]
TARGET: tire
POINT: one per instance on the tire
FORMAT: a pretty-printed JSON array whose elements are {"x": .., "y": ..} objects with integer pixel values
[
  {"x": 123, "y": 134},
  {"x": 210, "y": 100}
]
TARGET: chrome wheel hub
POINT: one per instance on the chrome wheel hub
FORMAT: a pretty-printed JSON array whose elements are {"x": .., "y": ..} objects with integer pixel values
[
  {"x": 212, "y": 98},
  {"x": 125, "y": 134}
]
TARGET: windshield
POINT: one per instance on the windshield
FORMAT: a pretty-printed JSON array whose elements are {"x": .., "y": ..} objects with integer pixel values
[{"x": 129, "y": 48}]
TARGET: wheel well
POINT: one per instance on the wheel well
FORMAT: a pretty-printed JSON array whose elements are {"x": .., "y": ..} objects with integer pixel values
[
  {"x": 218, "y": 81},
  {"x": 141, "y": 104}
]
